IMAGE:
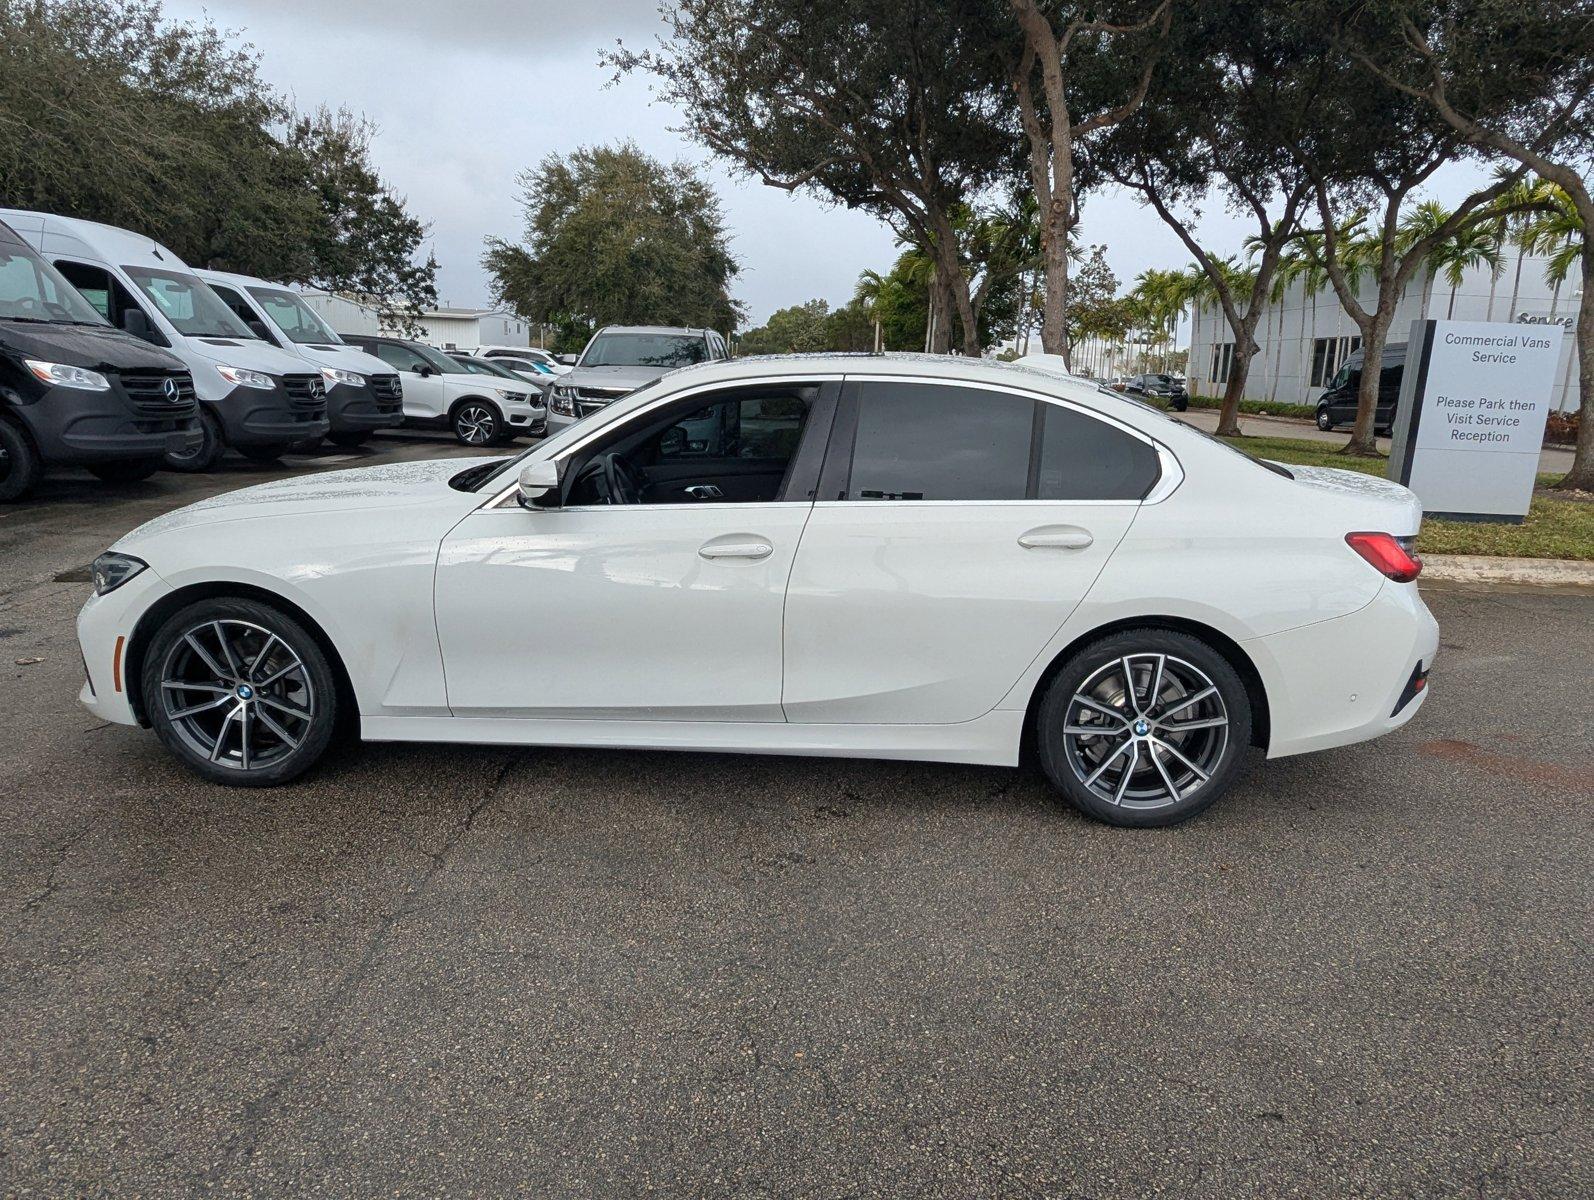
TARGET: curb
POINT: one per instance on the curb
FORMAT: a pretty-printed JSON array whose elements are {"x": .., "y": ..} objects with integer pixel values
[{"x": 1479, "y": 568}]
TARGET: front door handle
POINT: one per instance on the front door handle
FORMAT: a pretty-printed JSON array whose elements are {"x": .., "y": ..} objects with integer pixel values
[
  {"x": 1056, "y": 537},
  {"x": 736, "y": 545}
]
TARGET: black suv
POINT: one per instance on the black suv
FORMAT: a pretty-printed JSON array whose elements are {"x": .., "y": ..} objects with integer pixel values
[
  {"x": 76, "y": 390},
  {"x": 1165, "y": 388}
]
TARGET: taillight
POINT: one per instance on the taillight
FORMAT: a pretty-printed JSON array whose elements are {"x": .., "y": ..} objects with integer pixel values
[{"x": 1395, "y": 557}]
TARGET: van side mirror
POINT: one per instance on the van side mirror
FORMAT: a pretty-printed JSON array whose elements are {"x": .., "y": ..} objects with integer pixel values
[
  {"x": 259, "y": 329},
  {"x": 539, "y": 484},
  {"x": 135, "y": 322}
]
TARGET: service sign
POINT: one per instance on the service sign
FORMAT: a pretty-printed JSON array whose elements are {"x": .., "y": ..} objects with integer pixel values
[{"x": 1473, "y": 402}]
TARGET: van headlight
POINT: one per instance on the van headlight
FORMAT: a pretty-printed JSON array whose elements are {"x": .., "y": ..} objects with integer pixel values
[
  {"x": 61, "y": 375},
  {"x": 112, "y": 570},
  {"x": 243, "y": 377},
  {"x": 335, "y": 376}
]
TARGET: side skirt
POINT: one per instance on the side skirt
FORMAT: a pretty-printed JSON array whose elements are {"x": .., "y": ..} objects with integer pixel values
[{"x": 991, "y": 740}]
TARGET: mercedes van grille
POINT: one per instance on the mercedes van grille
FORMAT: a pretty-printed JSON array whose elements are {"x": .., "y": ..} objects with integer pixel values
[
  {"x": 159, "y": 393},
  {"x": 386, "y": 389},
  {"x": 306, "y": 393}
]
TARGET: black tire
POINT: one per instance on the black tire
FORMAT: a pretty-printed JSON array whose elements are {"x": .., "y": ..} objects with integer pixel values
[
  {"x": 20, "y": 465},
  {"x": 349, "y": 441},
  {"x": 1181, "y": 406},
  {"x": 127, "y": 470},
  {"x": 477, "y": 423},
  {"x": 206, "y": 455},
  {"x": 251, "y": 629},
  {"x": 1164, "y": 769},
  {"x": 1324, "y": 421}
]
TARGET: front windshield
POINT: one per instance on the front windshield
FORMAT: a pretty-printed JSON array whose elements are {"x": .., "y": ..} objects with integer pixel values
[
  {"x": 644, "y": 350},
  {"x": 297, "y": 320},
  {"x": 188, "y": 303},
  {"x": 32, "y": 290}
]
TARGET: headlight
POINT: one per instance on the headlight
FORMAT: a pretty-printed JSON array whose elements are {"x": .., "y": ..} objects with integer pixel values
[
  {"x": 243, "y": 377},
  {"x": 112, "y": 570},
  {"x": 562, "y": 400},
  {"x": 334, "y": 376},
  {"x": 61, "y": 375},
  {"x": 514, "y": 397}
]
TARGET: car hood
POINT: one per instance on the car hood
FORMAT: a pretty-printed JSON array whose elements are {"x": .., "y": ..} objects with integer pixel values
[
  {"x": 345, "y": 358},
  {"x": 250, "y": 353},
  {"x": 616, "y": 378},
  {"x": 98, "y": 347},
  {"x": 479, "y": 383},
  {"x": 391, "y": 485}
]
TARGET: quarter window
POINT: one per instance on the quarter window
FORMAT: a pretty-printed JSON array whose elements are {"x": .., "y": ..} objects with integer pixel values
[{"x": 1086, "y": 459}]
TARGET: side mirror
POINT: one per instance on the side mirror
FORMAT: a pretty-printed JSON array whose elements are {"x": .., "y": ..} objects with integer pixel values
[
  {"x": 539, "y": 484},
  {"x": 259, "y": 329},
  {"x": 568, "y": 360},
  {"x": 135, "y": 322},
  {"x": 425, "y": 370}
]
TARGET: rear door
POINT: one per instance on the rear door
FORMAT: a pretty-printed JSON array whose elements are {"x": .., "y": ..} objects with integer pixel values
[{"x": 957, "y": 527}]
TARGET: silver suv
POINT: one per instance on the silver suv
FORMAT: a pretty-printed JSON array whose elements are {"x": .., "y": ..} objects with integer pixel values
[{"x": 621, "y": 358}]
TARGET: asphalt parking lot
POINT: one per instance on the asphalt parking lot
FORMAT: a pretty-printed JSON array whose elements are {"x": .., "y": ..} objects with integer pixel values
[{"x": 462, "y": 971}]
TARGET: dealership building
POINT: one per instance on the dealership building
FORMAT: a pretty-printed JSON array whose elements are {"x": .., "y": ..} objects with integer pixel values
[
  {"x": 462, "y": 329},
  {"x": 1306, "y": 336}
]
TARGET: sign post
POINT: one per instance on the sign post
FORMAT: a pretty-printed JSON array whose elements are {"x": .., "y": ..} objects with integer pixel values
[{"x": 1470, "y": 424}]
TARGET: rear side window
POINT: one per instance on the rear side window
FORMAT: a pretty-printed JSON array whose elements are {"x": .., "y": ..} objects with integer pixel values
[
  {"x": 928, "y": 442},
  {"x": 918, "y": 441},
  {"x": 1085, "y": 459}
]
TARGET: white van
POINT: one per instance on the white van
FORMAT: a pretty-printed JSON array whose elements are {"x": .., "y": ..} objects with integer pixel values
[
  {"x": 363, "y": 392},
  {"x": 252, "y": 396}
]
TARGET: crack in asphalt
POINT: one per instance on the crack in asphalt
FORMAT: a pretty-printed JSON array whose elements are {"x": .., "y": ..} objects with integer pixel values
[
  {"x": 51, "y": 884},
  {"x": 328, "y": 1015}
]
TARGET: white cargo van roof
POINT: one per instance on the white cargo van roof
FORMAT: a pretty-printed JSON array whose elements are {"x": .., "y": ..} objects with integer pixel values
[{"x": 91, "y": 240}]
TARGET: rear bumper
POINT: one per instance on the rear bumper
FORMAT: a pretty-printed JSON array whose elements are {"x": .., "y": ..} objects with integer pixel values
[{"x": 1346, "y": 680}]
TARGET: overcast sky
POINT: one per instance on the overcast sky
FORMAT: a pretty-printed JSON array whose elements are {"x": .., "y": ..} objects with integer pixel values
[{"x": 467, "y": 94}]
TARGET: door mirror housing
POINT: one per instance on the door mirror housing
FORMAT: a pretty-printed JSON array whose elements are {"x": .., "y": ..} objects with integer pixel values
[
  {"x": 568, "y": 360},
  {"x": 259, "y": 329},
  {"x": 425, "y": 370},
  {"x": 135, "y": 322},
  {"x": 539, "y": 484}
]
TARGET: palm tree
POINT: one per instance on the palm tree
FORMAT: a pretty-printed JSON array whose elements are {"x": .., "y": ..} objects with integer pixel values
[
  {"x": 1421, "y": 222},
  {"x": 1304, "y": 262},
  {"x": 871, "y": 286},
  {"x": 1476, "y": 245},
  {"x": 1557, "y": 232}
]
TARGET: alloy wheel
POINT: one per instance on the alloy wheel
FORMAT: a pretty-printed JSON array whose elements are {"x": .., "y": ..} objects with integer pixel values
[
  {"x": 476, "y": 425},
  {"x": 1146, "y": 731},
  {"x": 237, "y": 694}
]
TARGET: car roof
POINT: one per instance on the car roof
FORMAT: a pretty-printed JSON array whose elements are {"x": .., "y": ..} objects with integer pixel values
[{"x": 677, "y": 329}]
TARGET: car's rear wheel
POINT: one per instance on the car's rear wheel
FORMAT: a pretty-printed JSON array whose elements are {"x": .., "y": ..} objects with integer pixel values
[
  {"x": 1145, "y": 727},
  {"x": 1324, "y": 422},
  {"x": 240, "y": 692}
]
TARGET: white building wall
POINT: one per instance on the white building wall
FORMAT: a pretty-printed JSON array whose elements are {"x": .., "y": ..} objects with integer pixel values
[
  {"x": 1288, "y": 330},
  {"x": 343, "y": 314}
]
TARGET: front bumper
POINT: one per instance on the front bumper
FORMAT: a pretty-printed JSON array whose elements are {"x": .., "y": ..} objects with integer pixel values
[
  {"x": 105, "y": 627},
  {"x": 258, "y": 417},
  {"x": 1341, "y": 681},
  {"x": 70, "y": 425},
  {"x": 360, "y": 410}
]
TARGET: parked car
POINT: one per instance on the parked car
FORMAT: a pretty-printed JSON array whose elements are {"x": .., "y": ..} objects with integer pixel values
[
  {"x": 621, "y": 358},
  {"x": 504, "y": 368},
  {"x": 363, "y": 392},
  {"x": 481, "y": 410},
  {"x": 529, "y": 353},
  {"x": 76, "y": 391},
  {"x": 882, "y": 557},
  {"x": 1337, "y": 406},
  {"x": 486, "y": 366},
  {"x": 253, "y": 397},
  {"x": 1166, "y": 389}
]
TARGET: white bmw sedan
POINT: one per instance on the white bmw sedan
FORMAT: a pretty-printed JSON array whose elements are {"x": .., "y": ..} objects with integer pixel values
[{"x": 877, "y": 557}]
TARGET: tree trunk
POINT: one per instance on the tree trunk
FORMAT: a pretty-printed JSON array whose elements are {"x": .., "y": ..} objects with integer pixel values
[
  {"x": 941, "y": 332},
  {"x": 1245, "y": 349},
  {"x": 1363, "y": 439},
  {"x": 1581, "y": 475},
  {"x": 1516, "y": 284},
  {"x": 1054, "y": 308},
  {"x": 1451, "y": 311}
]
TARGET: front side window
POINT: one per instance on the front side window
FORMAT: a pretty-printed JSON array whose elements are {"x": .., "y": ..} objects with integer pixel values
[
  {"x": 188, "y": 304},
  {"x": 920, "y": 441},
  {"x": 644, "y": 350},
  {"x": 31, "y": 290},
  {"x": 400, "y": 358},
  {"x": 297, "y": 320}
]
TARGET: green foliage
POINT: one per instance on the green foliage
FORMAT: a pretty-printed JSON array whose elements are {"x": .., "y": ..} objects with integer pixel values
[
  {"x": 110, "y": 112},
  {"x": 615, "y": 237},
  {"x": 800, "y": 329}
]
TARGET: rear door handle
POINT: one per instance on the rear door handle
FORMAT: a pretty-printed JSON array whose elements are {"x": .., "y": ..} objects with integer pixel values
[
  {"x": 1056, "y": 537},
  {"x": 736, "y": 545}
]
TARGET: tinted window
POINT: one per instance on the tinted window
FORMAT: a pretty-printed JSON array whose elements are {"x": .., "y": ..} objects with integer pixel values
[
  {"x": 401, "y": 358},
  {"x": 927, "y": 442},
  {"x": 1086, "y": 459},
  {"x": 644, "y": 350}
]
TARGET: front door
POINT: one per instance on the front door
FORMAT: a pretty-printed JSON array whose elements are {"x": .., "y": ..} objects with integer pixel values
[
  {"x": 424, "y": 395},
  {"x": 655, "y": 593},
  {"x": 964, "y": 530}
]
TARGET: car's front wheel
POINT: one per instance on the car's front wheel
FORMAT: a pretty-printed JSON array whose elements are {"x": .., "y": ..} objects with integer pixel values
[
  {"x": 240, "y": 692},
  {"x": 477, "y": 423},
  {"x": 1145, "y": 727},
  {"x": 1323, "y": 421}
]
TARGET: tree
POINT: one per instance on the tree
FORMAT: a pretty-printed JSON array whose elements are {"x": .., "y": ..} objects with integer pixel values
[
  {"x": 1094, "y": 309},
  {"x": 1532, "y": 109},
  {"x": 112, "y": 113},
  {"x": 613, "y": 236},
  {"x": 1226, "y": 121},
  {"x": 882, "y": 105},
  {"x": 1093, "y": 71},
  {"x": 800, "y": 329}
]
